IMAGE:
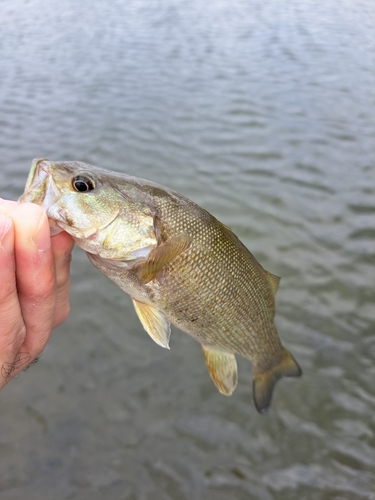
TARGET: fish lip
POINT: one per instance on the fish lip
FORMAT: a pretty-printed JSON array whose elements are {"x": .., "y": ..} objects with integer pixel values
[
  {"x": 36, "y": 166},
  {"x": 37, "y": 178},
  {"x": 41, "y": 189},
  {"x": 57, "y": 215}
]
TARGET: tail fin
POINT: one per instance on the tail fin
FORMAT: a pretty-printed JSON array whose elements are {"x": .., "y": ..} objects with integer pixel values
[{"x": 264, "y": 382}]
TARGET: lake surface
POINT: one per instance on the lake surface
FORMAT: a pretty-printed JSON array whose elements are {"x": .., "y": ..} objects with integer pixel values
[{"x": 263, "y": 113}]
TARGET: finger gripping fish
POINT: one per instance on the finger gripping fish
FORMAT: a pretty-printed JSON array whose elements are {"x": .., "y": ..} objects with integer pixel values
[{"x": 177, "y": 262}]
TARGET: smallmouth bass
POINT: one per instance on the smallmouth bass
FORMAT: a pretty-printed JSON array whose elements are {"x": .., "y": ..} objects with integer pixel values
[{"x": 177, "y": 262}]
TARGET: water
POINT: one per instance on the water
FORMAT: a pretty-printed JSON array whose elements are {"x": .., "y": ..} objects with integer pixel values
[{"x": 263, "y": 113}]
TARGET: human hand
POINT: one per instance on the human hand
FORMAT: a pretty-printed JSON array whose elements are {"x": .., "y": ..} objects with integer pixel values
[{"x": 34, "y": 284}]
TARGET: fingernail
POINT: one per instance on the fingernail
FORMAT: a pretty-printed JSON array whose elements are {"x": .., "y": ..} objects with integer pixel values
[
  {"x": 6, "y": 240},
  {"x": 42, "y": 237}
]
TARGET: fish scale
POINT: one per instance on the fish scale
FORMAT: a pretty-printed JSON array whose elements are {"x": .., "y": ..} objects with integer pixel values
[
  {"x": 177, "y": 262},
  {"x": 235, "y": 294}
]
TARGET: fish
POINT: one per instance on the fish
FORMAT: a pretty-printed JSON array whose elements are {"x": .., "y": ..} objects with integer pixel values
[{"x": 178, "y": 264}]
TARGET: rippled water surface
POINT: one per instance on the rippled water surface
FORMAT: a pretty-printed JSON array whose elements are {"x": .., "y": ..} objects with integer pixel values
[{"x": 263, "y": 113}]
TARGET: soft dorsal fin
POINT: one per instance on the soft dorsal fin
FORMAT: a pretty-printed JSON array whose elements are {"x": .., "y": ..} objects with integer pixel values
[
  {"x": 162, "y": 255},
  {"x": 273, "y": 282},
  {"x": 222, "y": 367},
  {"x": 154, "y": 322}
]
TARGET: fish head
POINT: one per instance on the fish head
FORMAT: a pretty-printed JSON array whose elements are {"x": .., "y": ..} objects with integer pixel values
[{"x": 103, "y": 217}]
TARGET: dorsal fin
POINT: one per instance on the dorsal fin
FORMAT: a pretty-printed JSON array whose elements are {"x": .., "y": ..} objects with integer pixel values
[{"x": 273, "y": 282}]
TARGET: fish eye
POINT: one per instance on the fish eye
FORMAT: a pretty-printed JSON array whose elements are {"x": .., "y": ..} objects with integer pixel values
[{"x": 83, "y": 183}]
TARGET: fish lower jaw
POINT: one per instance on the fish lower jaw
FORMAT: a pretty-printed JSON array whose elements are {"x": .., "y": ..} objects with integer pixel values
[
  {"x": 54, "y": 228},
  {"x": 55, "y": 220},
  {"x": 56, "y": 215}
]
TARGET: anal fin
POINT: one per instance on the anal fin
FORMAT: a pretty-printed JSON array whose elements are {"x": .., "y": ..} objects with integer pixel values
[
  {"x": 162, "y": 255},
  {"x": 222, "y": 367},
  {"x": 154, "y": 322}
]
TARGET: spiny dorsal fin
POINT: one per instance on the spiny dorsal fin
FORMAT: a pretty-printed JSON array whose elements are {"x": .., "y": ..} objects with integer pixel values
[
  {"x": 222, "y": 367},
  {"x": 263, "y": 382},
  {"x": 162, "y": 255},
  {"x": 154, "y": 322},
  {"x": 273, "y": 282}
]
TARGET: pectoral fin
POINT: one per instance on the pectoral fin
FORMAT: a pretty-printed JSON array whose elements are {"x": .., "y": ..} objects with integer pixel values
[
  {"x": 263, "y": 382},
  {"x": 222, "y": 367},
  {"x": 154, "y": 322},
  {"x": 162, "y": 255}
]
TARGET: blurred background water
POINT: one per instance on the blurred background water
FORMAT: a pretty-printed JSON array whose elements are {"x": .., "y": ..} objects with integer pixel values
[{"x": 263, "y": 113}]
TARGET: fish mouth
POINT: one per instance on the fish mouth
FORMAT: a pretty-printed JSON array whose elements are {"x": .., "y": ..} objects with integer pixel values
[
  {"x": 38, "y": 166},
  {"x": 41, "y": 189}
]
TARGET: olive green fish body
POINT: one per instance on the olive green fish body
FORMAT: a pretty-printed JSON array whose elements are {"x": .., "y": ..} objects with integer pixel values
[{"x": 177, "y": 262}]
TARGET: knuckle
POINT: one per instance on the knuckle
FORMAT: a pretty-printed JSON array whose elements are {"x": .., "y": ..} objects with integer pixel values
[
  {"x": 62, "y": 279},
  {"x": 15, "y": 339}
]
